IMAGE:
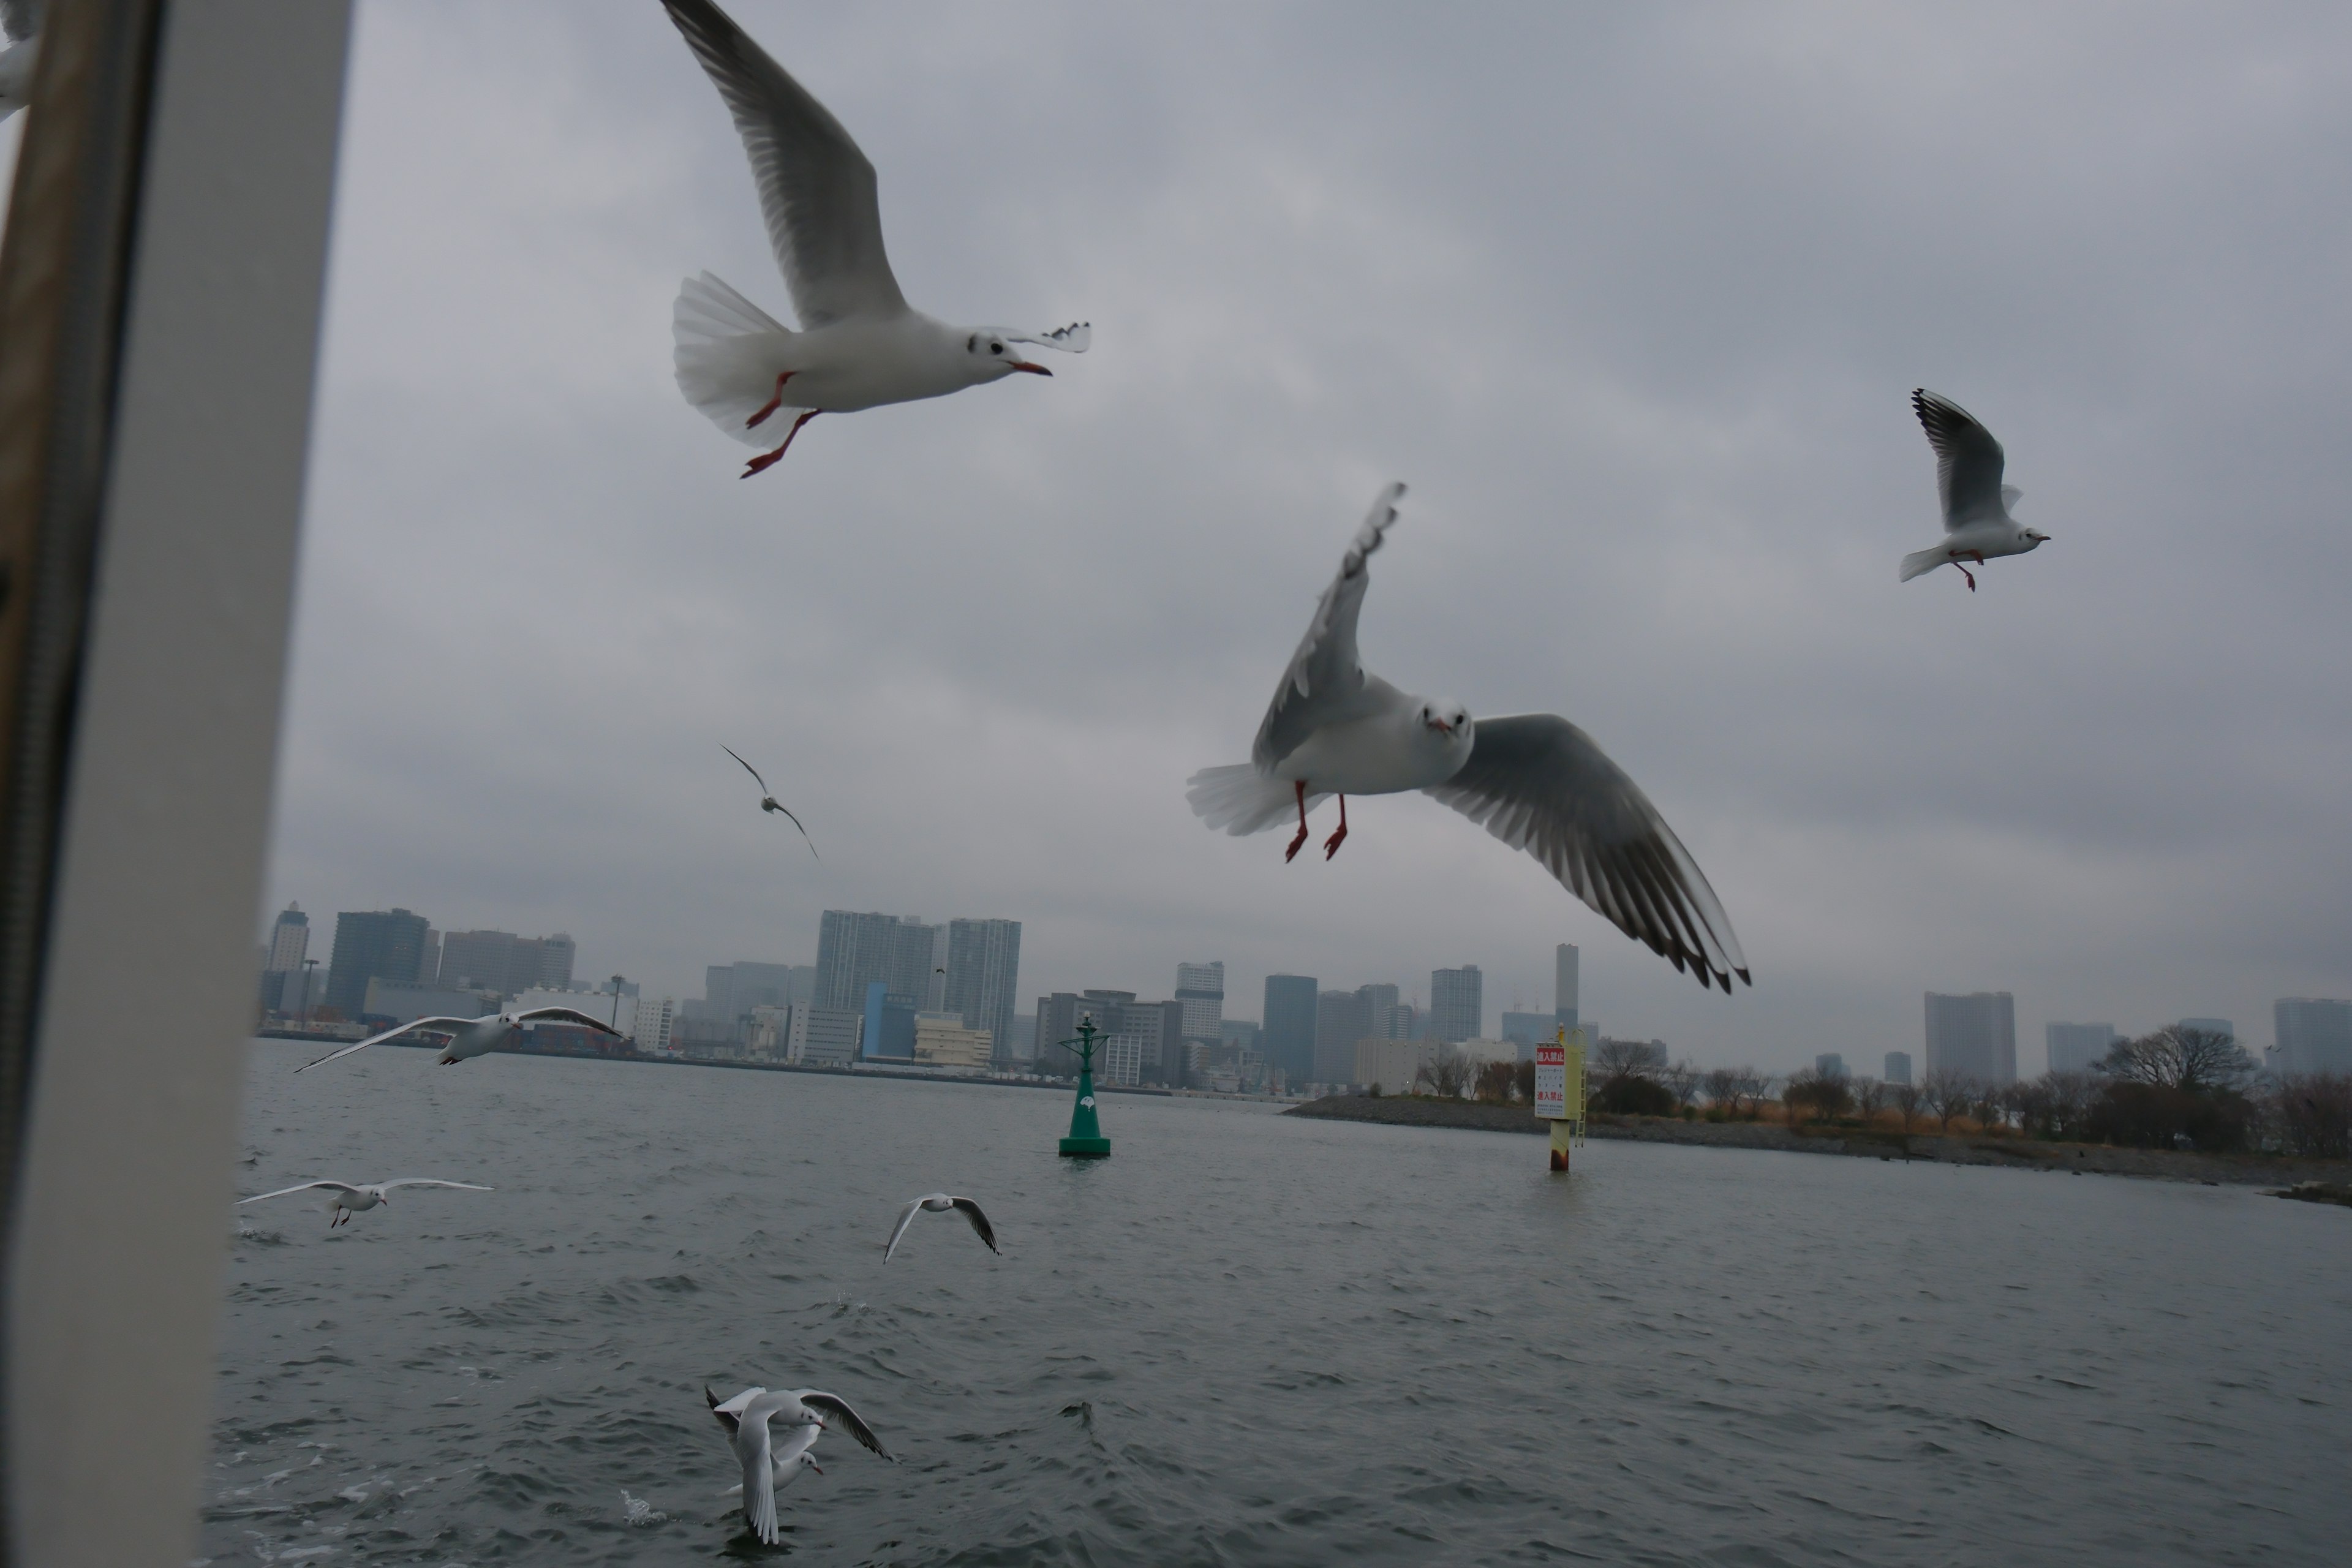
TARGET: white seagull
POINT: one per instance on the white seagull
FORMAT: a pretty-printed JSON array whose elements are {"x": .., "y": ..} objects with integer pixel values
[
  {"x": 351, "y": 1199},
  {"x": 1534, "y": 780},
  {"x": 475, "y": 1037},
  {"x": 1977, "y": 524},
  {"x": 768, "y": 802},
  {"x": 769, "y": 1463},
  {"x": 860, "y": 344},
  {"x": 20, "y": 20},
  {"x": 939, "y": 1202}
]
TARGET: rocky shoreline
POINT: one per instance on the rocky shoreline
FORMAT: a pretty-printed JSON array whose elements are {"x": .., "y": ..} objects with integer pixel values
[{"x": 2159, "y": 1164}]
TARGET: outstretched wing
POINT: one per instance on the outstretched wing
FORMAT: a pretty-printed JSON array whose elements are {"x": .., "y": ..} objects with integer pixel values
[
  {"x": 730, "y": 1412},
  {"x": 1074, "y": 339},
  {"x": 804, "y": 832},
  {"x": 1538, "y": 784},
  {"x": 1324, "y": 673},
  {"x": 749, "y": 769},
  {"x": 834, "y": 1406},
  {"x": 1968, "y": 459},
  {"x": 759, "y": 1475},
  {"x": 429, "y": 1182},
  {"x": 971, "y": 1211},
  {"x": 899, "y": 1231},
  {"x": 816, "y": 189},
  {"x": 568, "y": 1015},
  {"x": 306, "y": 1186},
  {"x": 406, "y": 1028}
]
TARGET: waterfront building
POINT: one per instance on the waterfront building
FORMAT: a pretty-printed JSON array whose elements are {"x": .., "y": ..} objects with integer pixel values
[
  {"x": 1391, "y": 1064},
  {"x": 1288, "y": 1030},
  {"x": 1200, "y": 989},
  {"x": 406, "y": 1004},
  {"x": 1119, "y": 1061},
  {"x": 655, "y": 1017},
  {"x": 502, "y": 962},
  {"x": 1341, "y": 1018},
  {"x": 942, "y": 1041},
  {"x": 1528, "y": 1030},
  {"x": 1458, "y": 1003},
  {"x": 1898, "y": 1067},
  {"x": 889, "y": 1031},
  {"x": 1830, "y": 1064},
  {"x": 2314, "y": 1035},
  {"x": 983, "y": 981},
  {"x": 854, "y": 951},
  {"x": 372, "y": 945},
  {"x": 289, "y": 940},
  {"x": 2077, "y": 1047},
  {"x": 1974, "y": 1035},
  {"x": 1564, "y": 1000},
  {"x": 1241, "y": 1035}
]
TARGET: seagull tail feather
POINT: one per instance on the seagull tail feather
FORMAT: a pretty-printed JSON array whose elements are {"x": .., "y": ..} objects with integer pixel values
[
  {"x": 1922, "y": 561},
  {"x": 728, "y": 352},
  {"x": 1240, "y": 800}
]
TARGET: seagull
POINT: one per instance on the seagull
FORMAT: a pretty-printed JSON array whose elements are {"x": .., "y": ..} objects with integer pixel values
[
  {"x": 939, "y": 1202},
  {"x": 769, "y": 1464},
  {"x": 20, "y": 21},
  {"x": 1534, "y": 780},
  {"x": 860, "y": 344},
  {"x": 475, "y": 1037},
  {"x": 1977, "y": 523},
  {"x": 769, "y": 803},
  {"x": 350, "y": 1200}
]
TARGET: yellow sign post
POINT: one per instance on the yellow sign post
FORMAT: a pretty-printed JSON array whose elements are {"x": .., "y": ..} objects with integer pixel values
[{"x": 1560, "y": 1092}]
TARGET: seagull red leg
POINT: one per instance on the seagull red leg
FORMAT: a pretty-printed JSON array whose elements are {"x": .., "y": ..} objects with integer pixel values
[
  {"x": 1331, "y": 845},
  {"x": 765, "y": 458},
  {"x": 1966, "y": 572},
  {"x": 1292, "y": 853},
  {"x": 771, "y": 406}
]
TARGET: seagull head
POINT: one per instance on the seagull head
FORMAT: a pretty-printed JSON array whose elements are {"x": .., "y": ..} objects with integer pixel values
[
  {"x": 2031, "y": 537},
  {"x": 995, "y": 356},
  {"x": 1442, "y": 729}
]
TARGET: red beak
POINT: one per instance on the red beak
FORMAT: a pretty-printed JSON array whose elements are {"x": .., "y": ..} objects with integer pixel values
[{"x": 1031, "y": 369}]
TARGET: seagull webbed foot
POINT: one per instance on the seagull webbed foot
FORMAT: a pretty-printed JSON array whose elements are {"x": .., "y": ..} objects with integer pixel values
[
  {"x": 1296, "y": 842},
  {"x": 769, "y": 406}
]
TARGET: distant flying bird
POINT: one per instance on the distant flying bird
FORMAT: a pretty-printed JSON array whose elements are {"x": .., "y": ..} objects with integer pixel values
[
  {"x": 1535, "y": 781},
  {"x": 939, "y": 1202},
  {"x": 1977, "y": 524},
  {"x": 20, "y": 21},
  {"x": 475, "y": 1037},
  {"x": 768, "y": 802},
  {"x": 768, "y": 1464},
  {"x": 860, "y": 345},
  {"x": 350, "y": 1200}
]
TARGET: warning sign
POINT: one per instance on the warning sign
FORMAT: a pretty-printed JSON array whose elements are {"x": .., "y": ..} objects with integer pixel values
[{"x": 1551, "y": 1082}]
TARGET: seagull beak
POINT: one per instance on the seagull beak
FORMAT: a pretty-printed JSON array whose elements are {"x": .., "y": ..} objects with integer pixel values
[{"x": 1031, "y": 369}]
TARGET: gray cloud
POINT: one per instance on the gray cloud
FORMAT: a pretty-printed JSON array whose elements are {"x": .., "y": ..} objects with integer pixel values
[{"x": 1633, "y": 299}]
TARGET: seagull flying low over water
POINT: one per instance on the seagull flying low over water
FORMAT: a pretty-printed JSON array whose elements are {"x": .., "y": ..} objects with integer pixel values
[
  {"x": 475, "y": 1037},
  {"x": 1977, "y": 524},
  {"x": 20, "y": 21},
  {"x": 768, "y": 802},
  {"x": 860, "y": 344},
  {"x": 769, "y": 1462},
  {"x": 940, "y": 1203},
  {"x": 350, "y": 1200},
  {"x": 1534, "y": 780}
]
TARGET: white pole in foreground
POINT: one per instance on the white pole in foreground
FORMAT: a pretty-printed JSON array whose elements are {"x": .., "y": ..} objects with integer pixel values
[{"x": 1560, "y": 1092}]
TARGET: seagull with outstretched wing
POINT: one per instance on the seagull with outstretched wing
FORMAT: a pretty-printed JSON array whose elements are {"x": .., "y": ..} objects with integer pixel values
[
  {"x": 475, "y": 1036},
  {"x": 939, "y": 1202},
  {"x": 350, "y": 1198},
  {"x": 768, "y": 1463},
  {"x": 1968, "y": 461},
  {"x": 768, "y": 802}
]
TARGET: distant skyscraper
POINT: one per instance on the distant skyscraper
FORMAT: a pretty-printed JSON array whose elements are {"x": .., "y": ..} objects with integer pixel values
[
  {"x": 2077, "y": 1047},
  {"x": 2315, "y": 1034},
  {"x": 983, "y": 965},
  {"x": 289, "y": 940},
  {"x": 502, "y": 962},
  {"x": 1563, "y": 984},
  {"x": 1385, "y": 1017},
  {"x": 1830, "y": 1064},
  {"x": 1201, "y": 987},
  {"x": 1341, "y": 1018},
  {"x": 1288, "y": 1031},
  {"x": 1898, "y": 1067},
  {"x": 1458, "y": 1003},
  {"x": 1975, "y": 1035},
  {"x": 377, "y": 945},
  {"x": 1533, "y": 1028},
  {"x": 853, "y": 950}
]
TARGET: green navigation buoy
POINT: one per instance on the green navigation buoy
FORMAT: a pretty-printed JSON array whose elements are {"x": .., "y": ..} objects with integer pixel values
[{"x": 1085, "y": 1141}]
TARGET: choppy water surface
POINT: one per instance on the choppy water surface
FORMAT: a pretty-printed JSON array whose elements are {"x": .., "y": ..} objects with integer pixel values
[{"x": 1242, "y": 1339}]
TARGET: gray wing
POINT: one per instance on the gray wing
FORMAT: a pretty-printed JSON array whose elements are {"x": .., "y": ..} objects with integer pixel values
[
  {"x": 378, "y": 1040},
  {"x": 1324, "y": 672},
  {"x": 759, "y": 1475},
  {"x": 306, "y": 1186},
  {"x": 749, "y": 769},
  {"x": 429, "y": 1182},
  {"x": 1968, "y": 460},
  {"x": 971, "y": 1211},
  {"x": 834, "y": 1406},
  {"x": 899, "y": 1231},
  {"x": 816, "y": 189},
  {"x": 1538, "y": 784},
  {"x": 568, "y": 1015}
]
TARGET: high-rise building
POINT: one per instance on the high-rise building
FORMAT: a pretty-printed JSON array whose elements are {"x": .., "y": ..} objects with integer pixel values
[
  {"x": 372, "y": 945},
  {"x": 1456, "y": 1003},
  {"x": 1201, "y": 987},
  {"x": 1898, "y": 1067},
  {"x": 1288, "y": 1030},
  {"x": 1341, "y": 1018},
  {"x": 854, "y": 951},
  {"x": 1532, "y": 1029},
  {"x": 1385, "y": 1016},
  {"x": 983, "y": 971},
  {"x": 2314, "y": 1035},
  {"x": 1563, "y": 983},
  {"x": 1975, "y": 1035},
  {"x": 428, "y": 962},
  {"x": 2077, "y": 1047},
  {"x": 289, "y": 940},
  {"x": 1830, "y": 1064},
  {"x": 502, "y": 962}
]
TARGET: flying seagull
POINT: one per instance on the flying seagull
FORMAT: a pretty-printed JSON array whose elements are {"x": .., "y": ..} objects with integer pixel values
[
  {"x": 768, "y": 1464},
  {"x": 769, "y": 803},
  {"x": 860, "y": 344},
  {"x": 1535, "y": 781},
  {"x": 1977, "y": 524},
  {"x": 20, "y": 21},
  {"x": 939, "y": 1202},
  {"x": 475, "y": 1037},
  {"x": 350, "y": 1200}
]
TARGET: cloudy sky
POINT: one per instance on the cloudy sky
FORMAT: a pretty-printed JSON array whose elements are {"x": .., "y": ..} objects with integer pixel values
[{"x": 1633, "y": 299}]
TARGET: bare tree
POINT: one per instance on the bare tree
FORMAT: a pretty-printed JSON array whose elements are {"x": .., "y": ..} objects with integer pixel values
[
  {"x": 1613, "y": 1059},
  {"x": 1524, "y": 1081},
  {"x": 1946, "y": 1094},
  {"x": 1756, "y": 1086},
  {"x": 1989, "y": 1103},
  {"x": 1721, "y": 1086},
  {"x": 1822, "y": 1094},
  {"x": 1447, "y": 1076},
  {"x": 2195, "y": 1062},
  {"x": 1681, "y": 1081},
  {"x": 1905, "y": 1098},
  {"x": 1869, "y": 1098},
  {"x": 1496, "y": 1081},
  {"x": 2314, "y": 1114}
]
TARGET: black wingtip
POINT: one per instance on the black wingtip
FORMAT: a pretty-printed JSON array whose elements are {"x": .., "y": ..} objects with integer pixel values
[{"x": 1744, "y": 978}]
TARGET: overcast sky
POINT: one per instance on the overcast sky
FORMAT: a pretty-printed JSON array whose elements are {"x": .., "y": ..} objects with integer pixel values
[{"x": 1634, "y": 299}]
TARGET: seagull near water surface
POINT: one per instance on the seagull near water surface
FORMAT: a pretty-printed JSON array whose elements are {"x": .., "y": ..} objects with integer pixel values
[
  {"x": 1977, "y": 524},
  {"x": 358, "y": 1198},
  {"x": 860, "y": 344},
  {"x": 769, "y": 1462},
  {"x": 1533, "y": 780},
  {"x": 768, "y": 802},
  {"x": 475, "y": 1036},
  {"x": 940, "y": 1203}
]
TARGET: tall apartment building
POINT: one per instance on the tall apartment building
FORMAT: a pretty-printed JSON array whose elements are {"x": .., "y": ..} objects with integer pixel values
[
  {"x": 729, "y": 991},
  {"x": 1532, "y": 1029},
  {"x": 1201, "y": 987},
  {"x": 372, "y": 945},
  {"x": 289, "y": 940},
  {"x": 1458, "y": 1003},
  {"x": 1341, "y": 1018},
  {"x": 854, "y": 951},
  {"x": 509, "y": 964},
  {"x": 1287, "y": 1030},
  {"x": 983, "y": 974},
  {"x": 1386, "y": 1017},
  {"x": 1975, "y": 1034},
  {"x": 2314, "y": 1035},
  {"x": 1898, "y": 1067},
  {"x": 2077, "y": 1047},
  {"x": 1154, "y": 1031},
  {"x": 1563, "y": 984}
]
